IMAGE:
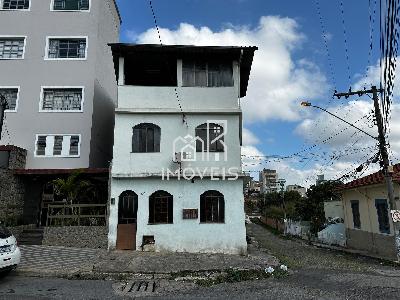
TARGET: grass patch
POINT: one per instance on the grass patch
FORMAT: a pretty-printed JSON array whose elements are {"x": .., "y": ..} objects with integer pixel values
[{"x": 232, "y": 275}]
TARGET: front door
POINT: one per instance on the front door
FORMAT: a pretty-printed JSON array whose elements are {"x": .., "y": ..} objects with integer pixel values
[{"x": 127, "y": 221}]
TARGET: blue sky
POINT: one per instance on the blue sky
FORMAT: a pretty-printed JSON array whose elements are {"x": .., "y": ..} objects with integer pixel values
[{"x": 282, "y": 132}]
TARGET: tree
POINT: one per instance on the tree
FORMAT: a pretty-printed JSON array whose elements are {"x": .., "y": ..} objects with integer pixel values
[
  {"x": 71, "y": 186},
  {"x": 311, "y": 208}
]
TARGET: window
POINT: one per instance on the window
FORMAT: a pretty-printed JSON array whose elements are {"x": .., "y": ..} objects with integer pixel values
[
  {"x": 67, "y": 48},
  {"x": 62, "y": 99},
  {"x": 4, "y": 159},
  {"x": 355, "y": 208},
  {"x": 161, "y": 208},
  {"x": 58, "y": 145},
  {"x": 70, "y": 4},
  {"x": 12, "y": 47},
  {"x": 146, "y": 138},
  {"x": 211, "y": 138},
  {"x": 212, "y": 207},
  {"x": 15, "y": 4},
  {"x": 210, "y": 74},
  {"x": 11, "y": 96},
  {"x": 383, "y": 215}
]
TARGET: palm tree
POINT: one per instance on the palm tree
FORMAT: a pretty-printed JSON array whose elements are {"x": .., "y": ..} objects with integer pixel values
[{"x": 71, "y": 186}]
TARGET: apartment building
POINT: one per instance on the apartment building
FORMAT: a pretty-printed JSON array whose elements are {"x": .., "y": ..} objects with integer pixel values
[
  {"x": 268, "y": 181},
  {"x": 56, "y": 75},
  {"x": 176, "y": 180}
]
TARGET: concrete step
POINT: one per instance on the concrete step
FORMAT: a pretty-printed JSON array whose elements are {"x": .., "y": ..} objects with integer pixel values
[{"x": 31, "y": 236}]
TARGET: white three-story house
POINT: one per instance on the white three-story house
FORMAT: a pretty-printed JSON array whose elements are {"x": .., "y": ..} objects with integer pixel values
[{"x": 176, "y": 179}]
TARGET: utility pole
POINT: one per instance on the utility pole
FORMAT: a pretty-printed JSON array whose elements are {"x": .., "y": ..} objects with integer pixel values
[
  {"x": 387, "y": 169},
  {"x": 3, "y": 107}
]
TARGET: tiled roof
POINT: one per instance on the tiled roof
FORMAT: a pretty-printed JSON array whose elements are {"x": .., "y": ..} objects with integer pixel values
[{"x": 374, "y": 178}]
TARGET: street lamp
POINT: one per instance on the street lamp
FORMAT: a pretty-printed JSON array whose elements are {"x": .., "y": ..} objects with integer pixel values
[{"x": 307, "y": 104}]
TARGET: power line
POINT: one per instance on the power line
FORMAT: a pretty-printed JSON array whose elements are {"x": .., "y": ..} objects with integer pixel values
[
  {"x": 166, "y": 61},
  {"x": 346, "y": 48}
]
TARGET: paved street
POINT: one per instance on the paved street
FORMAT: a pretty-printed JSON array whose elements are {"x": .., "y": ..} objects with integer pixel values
[{"x": 316, "y": 274}]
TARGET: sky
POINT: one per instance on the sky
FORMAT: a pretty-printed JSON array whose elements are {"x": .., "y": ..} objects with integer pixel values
[{"x": 307, "y": 49}]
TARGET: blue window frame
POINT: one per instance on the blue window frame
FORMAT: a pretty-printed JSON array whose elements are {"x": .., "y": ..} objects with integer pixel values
[{"x": 382, "y": 210}]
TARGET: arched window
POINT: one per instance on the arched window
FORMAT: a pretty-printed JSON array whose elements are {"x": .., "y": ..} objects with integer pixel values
[
  {"x": 211, "y": 138},
  {"x": 127, "y": 207},
  {"x": 160, "y": 208},
  {"x": 146, "y": 138},
  {"x": 212, "y": 207}
]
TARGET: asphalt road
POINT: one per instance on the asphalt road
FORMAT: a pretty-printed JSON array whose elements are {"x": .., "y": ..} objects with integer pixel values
[{"x": 315, "y": 274}]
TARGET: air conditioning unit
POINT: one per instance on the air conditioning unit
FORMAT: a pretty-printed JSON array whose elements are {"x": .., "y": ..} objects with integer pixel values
[{"x": 181, "y": 156}]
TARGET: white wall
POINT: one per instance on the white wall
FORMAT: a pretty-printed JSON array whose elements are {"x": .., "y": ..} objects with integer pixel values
[
  {"x": 185, "y": 235},
  {"x": 130, "y": 164}
]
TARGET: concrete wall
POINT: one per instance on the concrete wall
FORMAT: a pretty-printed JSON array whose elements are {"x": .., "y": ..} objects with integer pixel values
[
  {"x": 12, "y": 188},
  {"x": 130, "y": 164},
  {"x": 333, "y": 209},
  {"x": 76, "y": 236},
  {"x": 185, "y": 235},
  {"x": 368, "y": 237},
  {"x": 34, "y": 71},
  {"x": 377, "y": 244}
]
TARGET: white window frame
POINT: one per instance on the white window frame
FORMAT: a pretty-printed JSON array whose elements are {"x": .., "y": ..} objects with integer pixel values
[
  {"x": 2, "y": 9},
  {"x": 48, "y": 38},
  {"x": 61, "y": 87},
  {"x": 16, "y": 101},
  {"x": 63, "y": 155},
  {"x": 11, "y": 37},
  {"x": 58, "y": 10}
]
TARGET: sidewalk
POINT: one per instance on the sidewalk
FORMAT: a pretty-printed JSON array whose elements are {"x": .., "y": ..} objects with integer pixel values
[{"x": 98, "y": 263}]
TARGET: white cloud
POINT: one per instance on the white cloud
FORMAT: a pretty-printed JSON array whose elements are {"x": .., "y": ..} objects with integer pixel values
[
  {"x": 249, "y": 137},
  {"x": 277, "y": 81}
]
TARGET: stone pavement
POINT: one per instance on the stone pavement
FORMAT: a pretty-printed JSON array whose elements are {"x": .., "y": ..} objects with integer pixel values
[
  {"x": 54, "y": 260},
  {"x": 98, "y": 263}
]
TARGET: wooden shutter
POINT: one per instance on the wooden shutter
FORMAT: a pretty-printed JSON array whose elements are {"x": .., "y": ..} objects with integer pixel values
[
  {"x": 202, "y": 208},
  {"x": 221, "y": 210},
  {"x": 157, "y": 139},
  {"x": 135, "y": 140}
]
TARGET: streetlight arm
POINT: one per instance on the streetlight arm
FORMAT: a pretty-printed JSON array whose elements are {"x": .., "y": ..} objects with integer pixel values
[{"x": 359, "y": 129}]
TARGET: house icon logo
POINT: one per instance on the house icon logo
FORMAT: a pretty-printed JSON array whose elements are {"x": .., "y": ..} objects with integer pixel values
[{"x": 189, "y": 148}]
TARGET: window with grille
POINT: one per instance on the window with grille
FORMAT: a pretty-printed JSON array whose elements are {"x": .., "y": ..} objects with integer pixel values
[
  {"x": 12, "y": 48},
  {"x": 15, "y": 4},
  {"x": 67, "y": 48},
  {"x": 11, "y": 96},
  {"x": 58, "y": 145},
  {"x": 41, "y": 145},
  {"x": 212, "y": 207},
  {"x": 74, "y": 145},
  {"x": 207, "y": 74},
  {"x": 71, "y": 4},
  {"x": 146, "y": 138},
  {"x": 62, "y": 99},
  {"x": 161, "y": 208},
  {"x": 355, "y": 208},
  {"x": 210, "y": 138}
]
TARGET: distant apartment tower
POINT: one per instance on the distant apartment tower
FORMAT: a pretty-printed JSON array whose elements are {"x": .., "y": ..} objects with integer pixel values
[
  {"x": 298, "y": 188},
  {"x": 57, "y": 78},
  {"x": 320, "y": 179},
  {"x": 268, "y": 181}
]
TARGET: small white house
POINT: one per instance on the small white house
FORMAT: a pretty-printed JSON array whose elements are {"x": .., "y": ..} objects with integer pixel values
[{"x": 176, "y": 179}]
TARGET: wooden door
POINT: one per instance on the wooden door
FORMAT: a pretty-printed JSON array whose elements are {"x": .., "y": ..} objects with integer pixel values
[
  {"x": 127, "y": 221},
  {"x": 126, "y": 237}
]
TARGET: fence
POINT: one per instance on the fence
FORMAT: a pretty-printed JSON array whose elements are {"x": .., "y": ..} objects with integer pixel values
[{"x": 76, "y": 215}]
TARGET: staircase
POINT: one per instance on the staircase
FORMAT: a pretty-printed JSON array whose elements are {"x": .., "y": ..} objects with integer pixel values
[{"x": 31, "y": 236}]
